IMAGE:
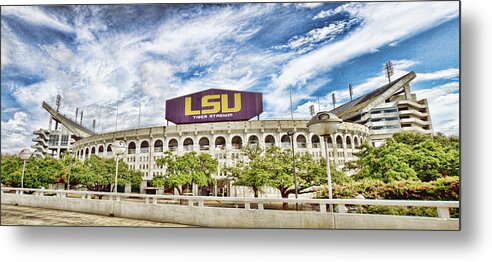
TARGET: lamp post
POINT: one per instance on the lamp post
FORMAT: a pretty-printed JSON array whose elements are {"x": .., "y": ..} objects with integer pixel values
[
  {"x": 118, "y": 148},
  {"x": 24, "y": 154},
  {"x": 325, "y": 124},
  {"x": 291, "y": 135}
]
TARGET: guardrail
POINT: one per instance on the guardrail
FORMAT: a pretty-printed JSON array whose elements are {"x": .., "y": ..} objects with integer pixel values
[{"x": 318, "y": 205}]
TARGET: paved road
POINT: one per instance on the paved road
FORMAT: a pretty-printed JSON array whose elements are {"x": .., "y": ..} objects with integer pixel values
[{"x": 19, "y": 215}]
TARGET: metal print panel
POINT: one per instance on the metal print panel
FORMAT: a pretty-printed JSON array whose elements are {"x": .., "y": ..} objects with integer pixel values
[{"x": 359, "y": 125}]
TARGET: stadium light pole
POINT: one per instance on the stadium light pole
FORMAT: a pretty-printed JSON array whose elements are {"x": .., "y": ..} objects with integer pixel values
[
  {"x": 24, "y": 154},
  {"x": 118, "y": 147},
  {"x": 291, "y": 134},
  {"x": 324, "y": 124}
]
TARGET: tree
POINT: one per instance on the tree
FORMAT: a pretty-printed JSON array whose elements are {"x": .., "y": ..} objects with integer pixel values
[
  {"x": 273, "y": 167},
  {"x": 97, "y": 174},
  {"x": 409, "y": 156},
  {"x": 250, "y": 172},
  {"x": 38, "y": 172},
  {"x": 190, "y": 168}
]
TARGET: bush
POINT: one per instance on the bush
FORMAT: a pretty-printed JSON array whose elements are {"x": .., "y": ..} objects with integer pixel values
[{"x": 446, "y": 188}]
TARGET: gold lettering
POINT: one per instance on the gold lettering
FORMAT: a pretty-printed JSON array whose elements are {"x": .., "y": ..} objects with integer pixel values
[
  {"x": 237, "y": 104},
  {"x": 188, "y": 110},
  {"x": 214, "y": 104}
]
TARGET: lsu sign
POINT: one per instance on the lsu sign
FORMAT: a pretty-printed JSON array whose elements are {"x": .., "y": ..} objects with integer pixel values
[{"x": 214, "y": 105}]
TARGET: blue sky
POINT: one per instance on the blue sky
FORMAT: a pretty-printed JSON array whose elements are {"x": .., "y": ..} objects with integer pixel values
[{"x": 97, "y": 57}]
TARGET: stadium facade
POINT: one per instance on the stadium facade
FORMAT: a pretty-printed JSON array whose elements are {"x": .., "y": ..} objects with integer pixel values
[{"x": 370, "y": 118}]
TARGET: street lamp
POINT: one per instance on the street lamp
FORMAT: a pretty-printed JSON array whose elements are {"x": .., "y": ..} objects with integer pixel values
[
  {"x": 24, "y": 154},
  {"x": 324, "y": 124},
  {"x": 291, "y": 135},
  {"x": 118, "y": 148}
]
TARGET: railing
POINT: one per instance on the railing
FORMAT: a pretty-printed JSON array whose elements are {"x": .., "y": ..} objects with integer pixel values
[{"x": 317, "y": 205}]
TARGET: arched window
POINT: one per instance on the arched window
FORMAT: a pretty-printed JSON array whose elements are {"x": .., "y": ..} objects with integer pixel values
[
  {"x": 330, "y": 142},
  {"x": 144, "y": 146},
  {"x": 315, "y": 141},
  {"x": 356, "y": 142},
  {"x": 204, "y": 144},
  {"x": 87, "y": 152},
  {"x": 173, "y": 145},
  {"x": 100, "y": 151},
  {"x": 220, "y": 143},
  {"x": 132, "y": 148},
  {"x": 301, "y": 141},
  {"x": 93, "y": 150},
  {"x": 253, "y": 140},
  {"x": 285, "y": 141},
  {"x": 237, "y": 142},
  {"x": 348, "y": 142},
  {"x": 109, "y": 151},
  {"x": 339, "y": 142},
  {"x": 269, "y": 141},
  {"x": 158, "y": 146},
  {"x": 188, "y": 144}
]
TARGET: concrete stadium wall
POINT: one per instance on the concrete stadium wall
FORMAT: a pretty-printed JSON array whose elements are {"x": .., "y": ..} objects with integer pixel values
[{"x": 230, "y": 217}]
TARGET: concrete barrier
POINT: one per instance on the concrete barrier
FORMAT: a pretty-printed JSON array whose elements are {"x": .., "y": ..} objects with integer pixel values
[{"x": 228, "y": 217}]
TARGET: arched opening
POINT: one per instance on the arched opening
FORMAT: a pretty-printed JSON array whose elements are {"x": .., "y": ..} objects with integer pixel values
[
  {"x": 253, "y": 141},
  {"x": 93, "y": 150},
  {"x": 87, "y": 152},
  {"x": 109, "y": 151},
  {"x": 132, "y": 148},
  {"x": 269, "y": 141},
  {"x": 220, "y": 143},
  {"x": 237, "y": 142},
  {"x": 144, "y": 146},
  {"x": 204, "y": 144},
  {"x": 348, "y": 142},
  {"x": 158, "y": 146},
  {"x": 356, "y": 142},
  {"x": 173, "y": 145},
  {"x": 315, "y": 141},
  {"x": 188, "y": 144},
  {"x": 285, "y": 141},
  {"x": 339, "y": 142},
  {"x": 301, "y": 141},
  {"x": 100, "y": 150}
]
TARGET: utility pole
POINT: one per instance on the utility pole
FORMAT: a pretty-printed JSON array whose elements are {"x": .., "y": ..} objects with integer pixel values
[
  {"x": 139, "y": 110},
  {"x": 350, "y": 91},
  {"x": 388, "y": 67},
  {"x": 291, "y": 113},
  {"x": 333, "y": 100},
  {"x": 116, "y": 123}
]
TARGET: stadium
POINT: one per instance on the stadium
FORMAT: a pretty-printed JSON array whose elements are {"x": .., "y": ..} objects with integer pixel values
[{"x": 218, "y": 122}]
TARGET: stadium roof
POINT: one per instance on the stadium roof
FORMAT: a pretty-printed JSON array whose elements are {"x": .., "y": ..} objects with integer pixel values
[{"x": 364, "y": 103}]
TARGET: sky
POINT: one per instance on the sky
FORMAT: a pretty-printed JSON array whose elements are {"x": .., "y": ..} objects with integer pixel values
[{"x": 103, "y": 57}]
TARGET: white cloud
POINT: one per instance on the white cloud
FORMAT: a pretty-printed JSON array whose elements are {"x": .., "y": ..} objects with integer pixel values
[
  {"x": 351, "y": 8},
  {"x": 307, "y": 42},
  {"x": 35, "y": 16},
  {"x": 449, "y": 73},
  {"x": 443, "y": 106},
  {"x": 406, "y": 19},
  {"x": 14, "y": 132}
]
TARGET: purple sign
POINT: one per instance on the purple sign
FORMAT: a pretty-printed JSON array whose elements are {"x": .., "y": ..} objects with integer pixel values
[{"x": 214, "y": 105}]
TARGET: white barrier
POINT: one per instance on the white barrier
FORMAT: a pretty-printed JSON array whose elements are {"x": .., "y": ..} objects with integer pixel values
[{"x": 233, "y": 212}]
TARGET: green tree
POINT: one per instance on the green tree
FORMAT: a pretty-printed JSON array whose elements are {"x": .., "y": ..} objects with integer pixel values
[
  {"x": 273, "y": 167},
  {"x": 97, "y": 174},
  {"x": 38, "y": 172},
  {"x": 190, "y": 168},
  {"x": 250, "y": 172},
  {"x": 408, "y": 156}
]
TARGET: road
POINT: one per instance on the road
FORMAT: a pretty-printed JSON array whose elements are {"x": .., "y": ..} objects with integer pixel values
[{"x": 19, "y": 215}]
